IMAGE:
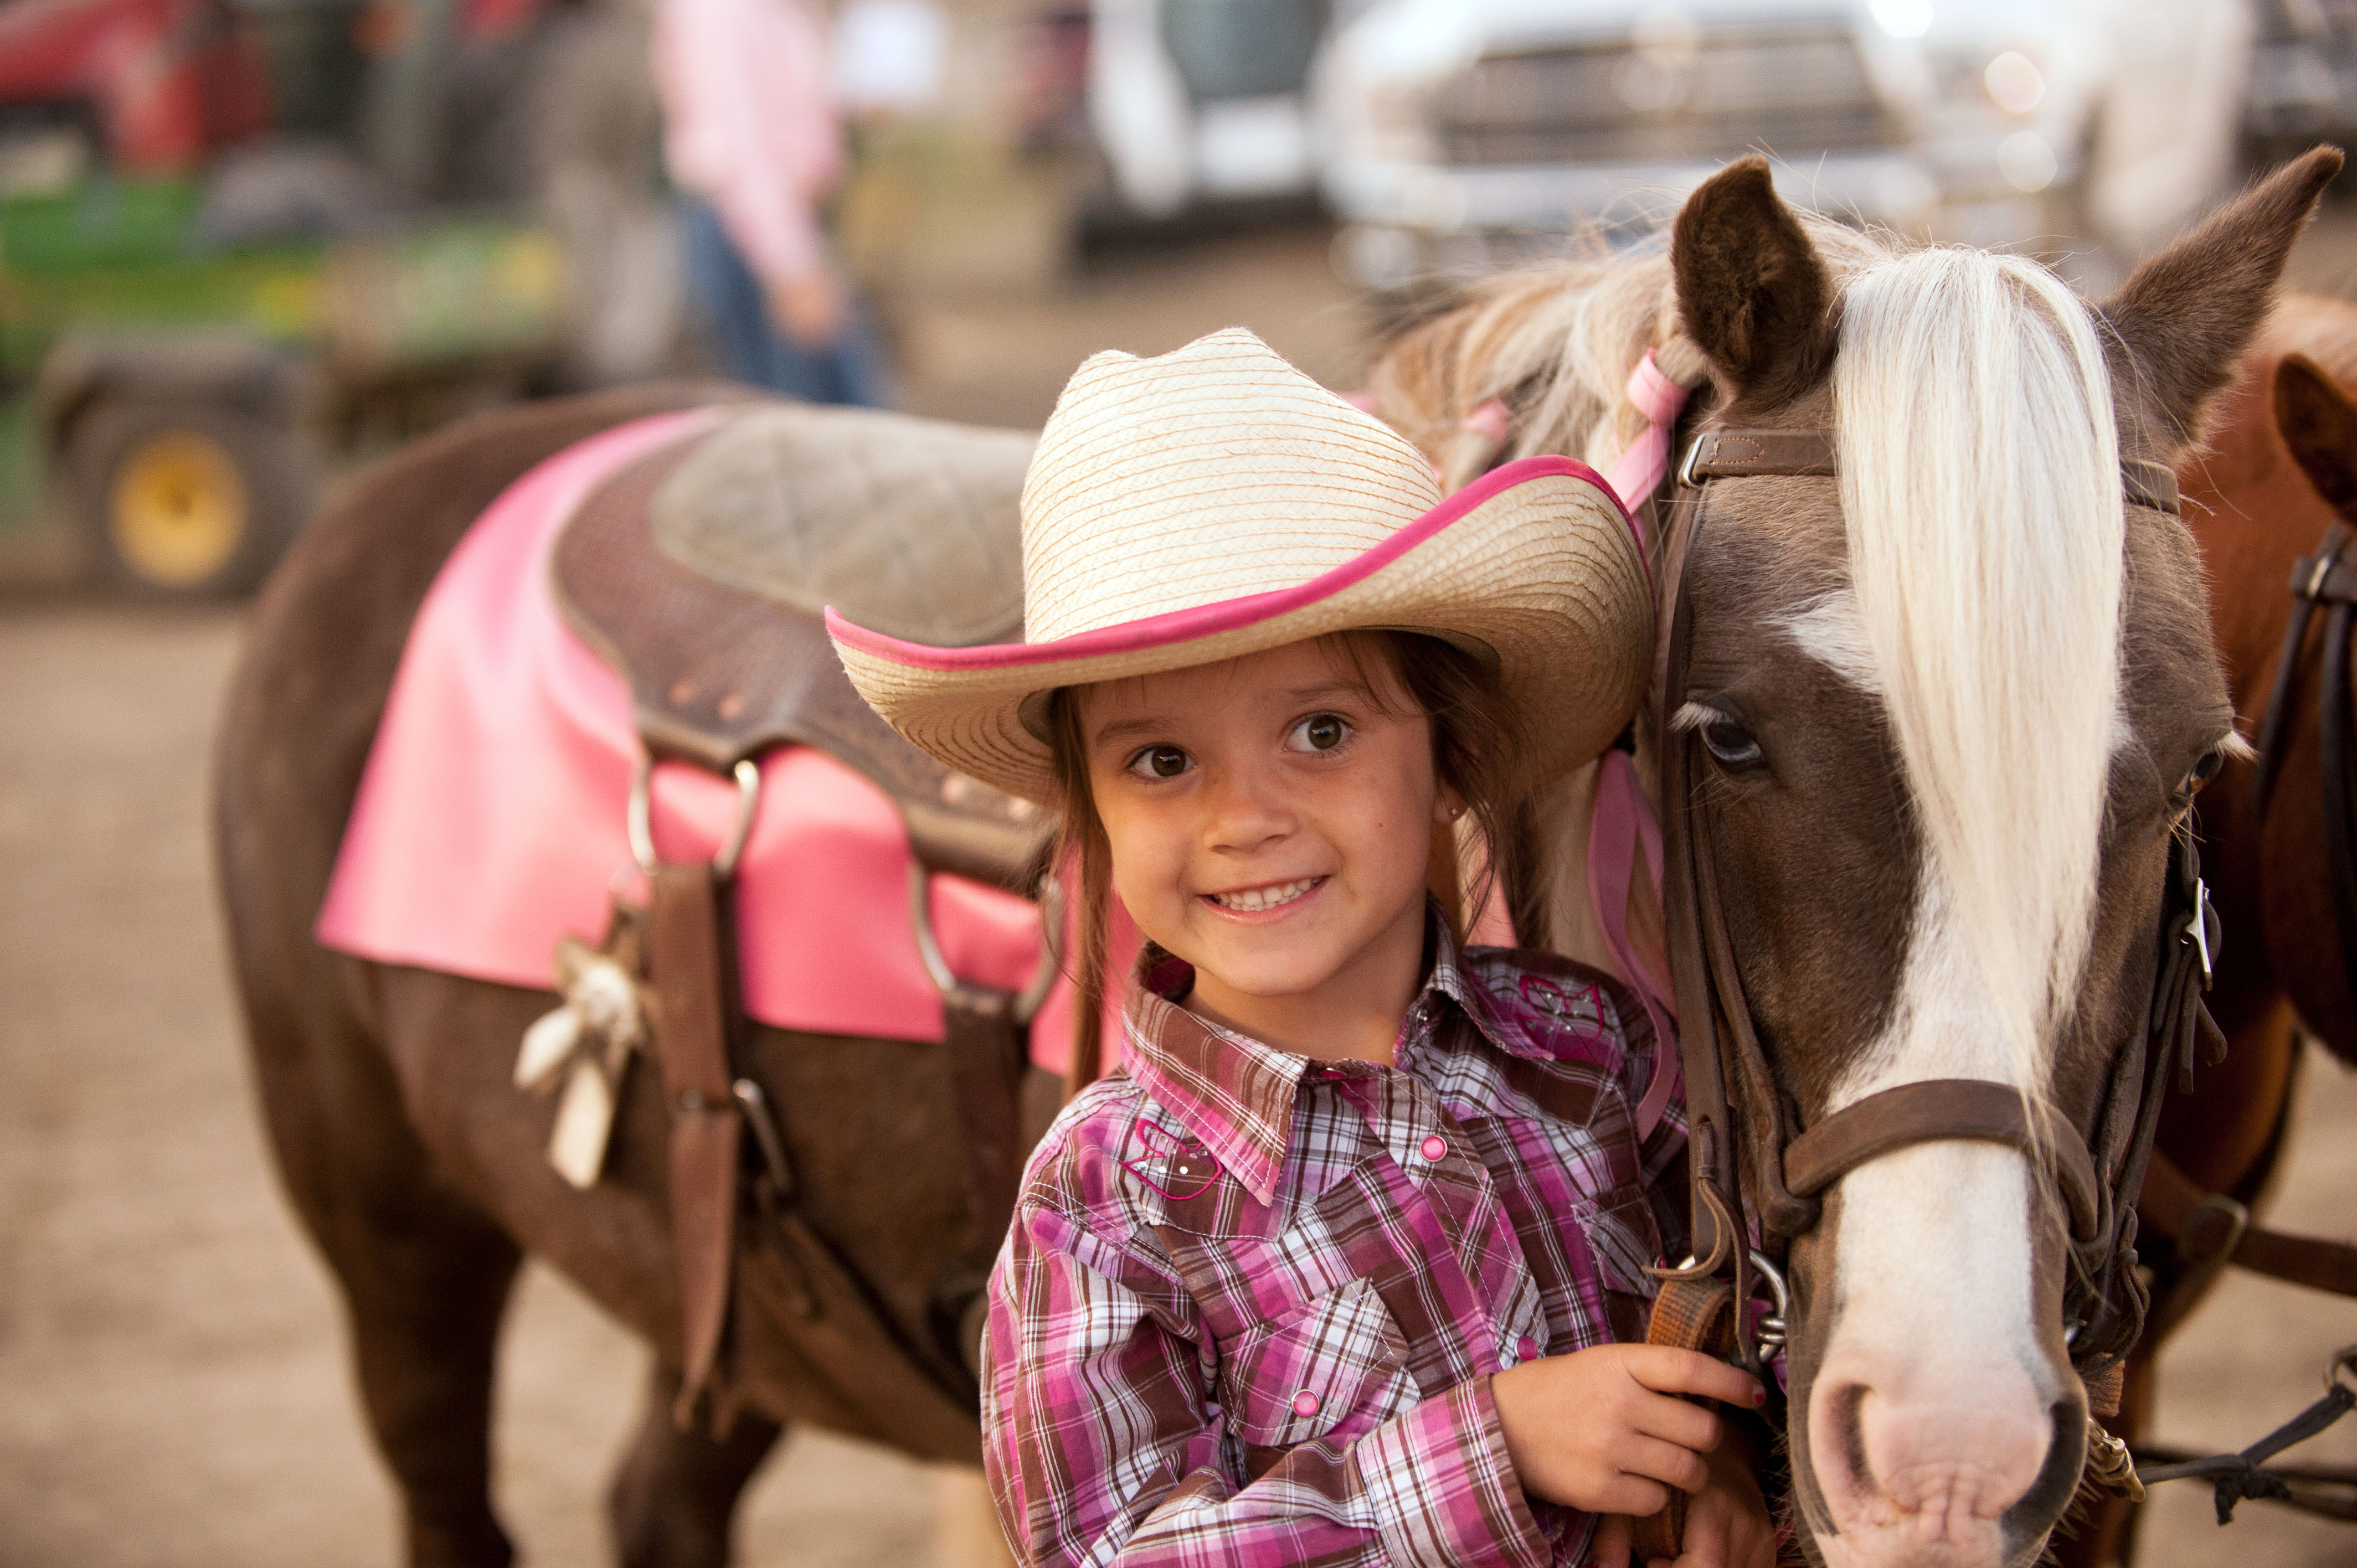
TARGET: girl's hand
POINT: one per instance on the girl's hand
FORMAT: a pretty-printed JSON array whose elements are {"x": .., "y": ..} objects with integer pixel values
[
  {"x": 1726, "y": 1524},
  {"x": 1599, "y": 1430}
]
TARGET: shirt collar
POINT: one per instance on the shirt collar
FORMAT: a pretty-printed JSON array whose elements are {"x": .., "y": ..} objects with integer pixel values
[{"x": 1235, "y": 1094}]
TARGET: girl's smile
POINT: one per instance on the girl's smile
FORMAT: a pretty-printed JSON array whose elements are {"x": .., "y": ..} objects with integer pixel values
[
  {"x": 1270, "y": 820},
  {"x": 1272, "y": 900}
]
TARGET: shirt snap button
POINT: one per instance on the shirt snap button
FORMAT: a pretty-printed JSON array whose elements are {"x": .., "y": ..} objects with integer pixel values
[
  {"x": 1305, "y": 1404},
  {"x": 1435, "y": 1146},
  {"x": 1527, "y": 1348}
]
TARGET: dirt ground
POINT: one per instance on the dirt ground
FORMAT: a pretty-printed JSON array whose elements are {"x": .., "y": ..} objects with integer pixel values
[{"x": 173, "y": 1391}]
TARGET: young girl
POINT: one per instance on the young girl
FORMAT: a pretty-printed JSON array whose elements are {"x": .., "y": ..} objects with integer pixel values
[{"x": 1330, "y": 1272}]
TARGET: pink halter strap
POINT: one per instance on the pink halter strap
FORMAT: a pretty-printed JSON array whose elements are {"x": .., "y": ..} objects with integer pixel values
[
  {"x": 1622, "y": 825},
  {"x": 1639, "y": 470},
  {"x": 1620, "y": 828}
]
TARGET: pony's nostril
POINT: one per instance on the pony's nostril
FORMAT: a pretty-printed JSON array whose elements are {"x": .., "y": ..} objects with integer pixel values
[
  {"x": 2035, "y": 1512},
  {"x": 1837, "y": 1443},
  {"x": 1849, "y": 1429},
  {"x": 1895, "y": 1446}
]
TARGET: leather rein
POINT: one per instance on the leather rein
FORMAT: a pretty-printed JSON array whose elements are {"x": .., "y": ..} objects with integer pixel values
[
  {"x": 2211, "y": 1229},
  {"x": 2327, "y": 578},
  {"x": 1790, "y": 1167}
]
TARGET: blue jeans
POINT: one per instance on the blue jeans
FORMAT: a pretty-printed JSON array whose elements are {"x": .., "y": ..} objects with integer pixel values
[{"x": 727, "y": 297}]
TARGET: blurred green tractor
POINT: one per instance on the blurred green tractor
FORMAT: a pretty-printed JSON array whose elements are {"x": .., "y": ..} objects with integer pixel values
[{"x": 221, "y": 277}]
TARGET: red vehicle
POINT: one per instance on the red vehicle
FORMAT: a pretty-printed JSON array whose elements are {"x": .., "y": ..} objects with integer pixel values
[{"x": 166, "y": 81}]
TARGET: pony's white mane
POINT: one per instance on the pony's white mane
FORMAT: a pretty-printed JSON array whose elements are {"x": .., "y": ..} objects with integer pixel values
[{"x": 1981, "y": 493}]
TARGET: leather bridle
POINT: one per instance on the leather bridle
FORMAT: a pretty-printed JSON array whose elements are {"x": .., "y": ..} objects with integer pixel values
[{"x": 1788, "y": 1165}]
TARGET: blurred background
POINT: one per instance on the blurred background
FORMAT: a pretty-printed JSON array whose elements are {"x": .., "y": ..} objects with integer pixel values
[{"x": 246, "y": 246}]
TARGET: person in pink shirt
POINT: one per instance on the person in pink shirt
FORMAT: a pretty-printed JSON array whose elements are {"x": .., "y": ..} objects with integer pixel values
[
  {"x": 752, "y": 137},
  {"x": 1342, "y": 1264}
]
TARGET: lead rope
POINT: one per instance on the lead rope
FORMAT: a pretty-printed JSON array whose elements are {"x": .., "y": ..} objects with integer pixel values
[{"x": 2236, "y": 1477}]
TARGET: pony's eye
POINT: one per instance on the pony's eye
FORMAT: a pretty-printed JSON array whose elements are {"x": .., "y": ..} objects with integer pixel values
[
  {"x": 1319, "y": 731},
  {"x": 2202, "y": 772},
  {"x": 1159, "y": 762},
  {"x": 1729, "y": 742}
]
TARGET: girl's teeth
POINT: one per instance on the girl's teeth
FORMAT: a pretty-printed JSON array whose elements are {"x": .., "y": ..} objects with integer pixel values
[{"x": 1253, "y": 899}]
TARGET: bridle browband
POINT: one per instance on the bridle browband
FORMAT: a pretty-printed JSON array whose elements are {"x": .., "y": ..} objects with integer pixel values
[
  {"x": 1808, "y": 452},
  {"x": 2097, "y": 1180}
]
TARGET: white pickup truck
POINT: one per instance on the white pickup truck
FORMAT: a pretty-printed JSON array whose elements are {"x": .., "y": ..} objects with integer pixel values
[{"x": 1455, "y": 133}]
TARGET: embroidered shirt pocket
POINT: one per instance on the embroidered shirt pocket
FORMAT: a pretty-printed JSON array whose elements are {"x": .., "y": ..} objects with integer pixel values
[{"x": 1332, "y": 1367}]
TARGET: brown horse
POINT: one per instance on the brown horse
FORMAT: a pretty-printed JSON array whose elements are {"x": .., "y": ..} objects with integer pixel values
[
  {"x": 2254, "y": 511},
  {"x": 1849, "y": 811}
]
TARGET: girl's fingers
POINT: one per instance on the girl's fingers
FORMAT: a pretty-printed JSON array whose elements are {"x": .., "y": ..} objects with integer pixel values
[
  {"x": 1611, "y": 1547},
  {"x": 1665, "y": 1462},
  {"x": 1669, "y": 1371},
  {"x": 1705, "y": 1545},
  {"x": 1676, "y": 1421},
  {"x": 1632, "y": 1495}
]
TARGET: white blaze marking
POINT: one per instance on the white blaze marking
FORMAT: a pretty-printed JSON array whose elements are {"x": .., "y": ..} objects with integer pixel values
[{"x": 1830, "y": 630}]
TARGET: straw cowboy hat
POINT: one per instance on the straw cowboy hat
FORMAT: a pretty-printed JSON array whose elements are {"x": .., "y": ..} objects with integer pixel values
[{"x": 1214, "y": 502}]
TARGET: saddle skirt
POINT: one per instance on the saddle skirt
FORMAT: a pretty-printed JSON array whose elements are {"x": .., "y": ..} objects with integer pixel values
[{"x": 490, "y": 820}]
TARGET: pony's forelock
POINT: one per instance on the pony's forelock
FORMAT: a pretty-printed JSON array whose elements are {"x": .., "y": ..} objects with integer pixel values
[{"x": 1981, "y": 500}]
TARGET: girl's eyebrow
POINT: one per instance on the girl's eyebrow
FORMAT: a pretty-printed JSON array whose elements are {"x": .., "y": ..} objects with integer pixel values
[
  {"x": 1123, "y": 729},
  {"x": 1307, "y": 696}
]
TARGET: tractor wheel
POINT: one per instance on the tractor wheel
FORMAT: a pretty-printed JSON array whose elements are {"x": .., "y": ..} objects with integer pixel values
[{"x": 186, "y": 500}]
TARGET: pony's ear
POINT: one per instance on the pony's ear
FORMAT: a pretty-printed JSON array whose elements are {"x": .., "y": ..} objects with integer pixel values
[
  {"x": 2187, "y": 314},
  {"x": 1753, "y": 292},
  {"x": 2318, "y": 421}
]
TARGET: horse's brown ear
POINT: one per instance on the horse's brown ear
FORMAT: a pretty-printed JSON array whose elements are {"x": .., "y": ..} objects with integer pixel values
[
  {"x": 2318, "y": 421},
  {"x": 1753, "y": 292},
  {"x": 2187, "y": 314}
]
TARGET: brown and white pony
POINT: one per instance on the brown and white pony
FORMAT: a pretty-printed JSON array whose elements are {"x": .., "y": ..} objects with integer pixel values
[{"x": 1957, "y": 701}]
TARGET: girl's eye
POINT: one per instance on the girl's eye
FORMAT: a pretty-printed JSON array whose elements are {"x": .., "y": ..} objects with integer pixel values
[
  {"x": 1159, "y": 762},
  {"x": 1319, "y": 731}
]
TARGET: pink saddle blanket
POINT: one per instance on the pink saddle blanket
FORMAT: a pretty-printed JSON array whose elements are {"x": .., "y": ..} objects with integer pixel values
[{"x": 490, "y": 820}]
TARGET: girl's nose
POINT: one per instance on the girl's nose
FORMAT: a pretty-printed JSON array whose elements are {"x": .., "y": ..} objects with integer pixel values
[{"x": 1245, "y": 810}]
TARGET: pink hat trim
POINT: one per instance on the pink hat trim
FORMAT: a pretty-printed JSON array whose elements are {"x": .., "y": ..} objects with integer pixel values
[{"x": 1228, "y": 614}]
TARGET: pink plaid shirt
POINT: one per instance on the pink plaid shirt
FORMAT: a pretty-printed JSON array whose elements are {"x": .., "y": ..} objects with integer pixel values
[{"x": 1251, "y": 1303}]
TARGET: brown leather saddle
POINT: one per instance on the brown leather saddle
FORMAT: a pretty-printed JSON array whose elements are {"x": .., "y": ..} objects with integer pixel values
[{"x": 700, "y": 573}]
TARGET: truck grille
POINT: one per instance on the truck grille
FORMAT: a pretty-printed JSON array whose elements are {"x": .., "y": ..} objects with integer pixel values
[{"x": 1793, "y": 92}]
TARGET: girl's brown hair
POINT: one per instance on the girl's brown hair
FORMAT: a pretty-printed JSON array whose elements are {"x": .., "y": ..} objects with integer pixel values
[{"x": 1477, "y": 752}]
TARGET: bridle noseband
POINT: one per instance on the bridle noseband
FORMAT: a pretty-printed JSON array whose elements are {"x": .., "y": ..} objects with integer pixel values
[{"x": 2105, "y": 1301}]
